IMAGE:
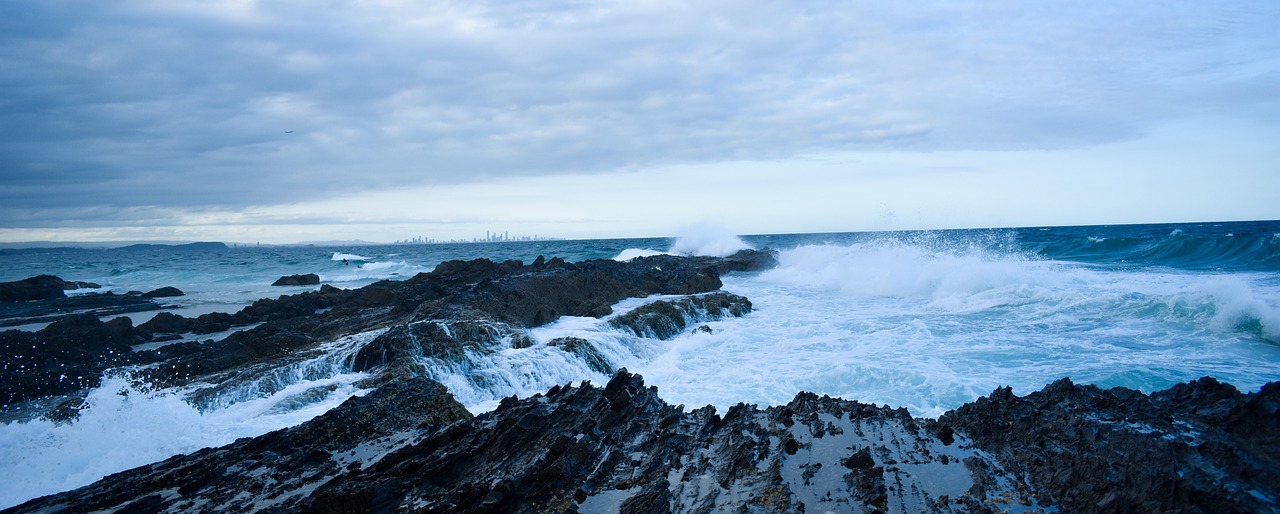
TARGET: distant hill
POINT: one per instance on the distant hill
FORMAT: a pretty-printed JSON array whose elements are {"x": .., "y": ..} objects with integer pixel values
[{"x": 188, "y": 247}]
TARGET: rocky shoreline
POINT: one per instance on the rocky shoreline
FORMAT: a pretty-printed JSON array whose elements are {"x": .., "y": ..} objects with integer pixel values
[{"x": 408, "y": 445}]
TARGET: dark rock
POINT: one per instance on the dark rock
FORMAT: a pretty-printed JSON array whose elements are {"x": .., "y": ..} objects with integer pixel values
[
  {"x": 665, "y": 319},
  {"x": 408, "y": 446},
  {"x": 585, "y": 351},
  {"x": 163, "y": 292},
  {"x": 1203, "y": 446},
  {"x": 309, "y": 279},
  {"x": 287, "y": 463},
  {"x": 42, "y": 287},
  {"x": 67, "y": 356},
  {"x": 57, "y": 307},
  {"x": 165, "y": 323}
]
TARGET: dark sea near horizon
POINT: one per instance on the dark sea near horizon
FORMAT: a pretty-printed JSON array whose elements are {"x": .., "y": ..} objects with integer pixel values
[{"x": 926, "y": 320}]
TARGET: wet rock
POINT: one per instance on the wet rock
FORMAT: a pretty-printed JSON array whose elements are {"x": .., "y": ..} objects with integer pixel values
[
  {"x": 461, "y": 295},
  {"x": 276, "y": 471},
  {"x": 665, "y": 319},
  {"x": 620, "y": 448},
  {"x": 585, "y": 351},
  {"x": 1203, "y": 446},
  {"x": 309, "y": 279},
  {"x": 53, "y": 309},
  {"x": 67, "y": 356},
  {"x": 41, "y": 287},
  {"x": 164, "y": 292}
]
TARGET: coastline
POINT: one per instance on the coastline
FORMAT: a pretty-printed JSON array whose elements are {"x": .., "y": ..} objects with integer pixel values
[
  {"x": 488, "y": 330},
  {"x": 965, "y": 461}
]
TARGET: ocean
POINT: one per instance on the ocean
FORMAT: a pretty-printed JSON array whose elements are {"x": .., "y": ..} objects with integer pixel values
[{"x": 926, "y": 320}]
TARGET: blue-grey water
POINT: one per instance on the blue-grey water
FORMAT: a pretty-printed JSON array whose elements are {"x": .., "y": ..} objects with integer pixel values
[{"x": 926, "y": 320}]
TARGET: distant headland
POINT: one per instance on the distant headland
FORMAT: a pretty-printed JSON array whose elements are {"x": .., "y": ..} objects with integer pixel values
[{"x": 186, "y": 247}]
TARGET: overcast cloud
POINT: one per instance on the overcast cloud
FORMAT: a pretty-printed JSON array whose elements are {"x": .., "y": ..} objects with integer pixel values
[{"x": 133, "y": 113}]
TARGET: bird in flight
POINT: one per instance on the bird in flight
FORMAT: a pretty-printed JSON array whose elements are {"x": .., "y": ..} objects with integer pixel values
[{"x": 288, "y": 132}]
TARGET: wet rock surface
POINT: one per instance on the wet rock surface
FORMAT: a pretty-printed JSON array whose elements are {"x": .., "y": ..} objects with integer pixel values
[
  {"x": 308, "y": 279},
  {"x": 665, "y": 319},
  {"x": 619, "y": 448},
  {"x": 42, "y": 287},
  {"x": 1197, "y": 447},
  {"x": 275, "y": 471}
]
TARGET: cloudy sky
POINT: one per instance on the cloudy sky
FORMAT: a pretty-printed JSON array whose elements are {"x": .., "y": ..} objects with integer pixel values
[{"x": 280, "y": 121}]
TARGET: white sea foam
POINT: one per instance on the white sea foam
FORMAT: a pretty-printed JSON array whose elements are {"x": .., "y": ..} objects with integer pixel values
[
  {"x": 483, "y": 379},
  {"x": 125, "y": 426},
  {"x": 371, "y": 271},
  {"x": 707, "y": 240},
  {"x": 635, "y": 253},
  {"x": 339, "y": 256},
  {"x": 929, "y": 328}
]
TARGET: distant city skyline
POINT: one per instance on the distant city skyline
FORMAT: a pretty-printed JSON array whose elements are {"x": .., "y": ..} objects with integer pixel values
[{"x": 489, "y": 237}]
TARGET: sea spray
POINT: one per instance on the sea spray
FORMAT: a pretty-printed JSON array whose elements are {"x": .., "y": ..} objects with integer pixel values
[
  {"x": 707, "y": 240},
  {"x": 125, "y": 425},
  {"x": 929, "y": 326},
  {"x": 345, "y": 257}
]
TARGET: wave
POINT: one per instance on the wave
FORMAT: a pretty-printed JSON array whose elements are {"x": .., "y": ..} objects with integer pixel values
[
  {"x": 636, "y": 253},
  {"x": 370, "y": 271},
  {"x": 125, "y": 426},
  {"x": 1182, "y": 248},
  {"x": 707, "y": 240},
  {"x": 339, "y": 256},
  {"x": 960, "y": 280},
  {"x": 569, "y": 350}
]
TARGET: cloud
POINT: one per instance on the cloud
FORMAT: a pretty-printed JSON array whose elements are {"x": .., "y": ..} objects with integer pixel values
[{"x": 132, "y": 107}]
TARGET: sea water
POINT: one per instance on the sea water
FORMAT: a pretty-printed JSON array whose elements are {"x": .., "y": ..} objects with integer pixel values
[{"x": 923, "y": 320}]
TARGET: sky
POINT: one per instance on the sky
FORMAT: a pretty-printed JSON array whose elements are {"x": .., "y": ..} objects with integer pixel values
[{"x": 379, "y": 120}]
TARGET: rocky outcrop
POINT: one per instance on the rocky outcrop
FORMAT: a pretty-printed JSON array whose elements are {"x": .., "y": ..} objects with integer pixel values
[
  {"x": 620, "y": 448},
  {"x": 276, "y": 471},
  {"x": 585, "y": 351},
  {"x": 42, "y": 287},
  {"x": 67, "y": 356},
  {"x": 164, "y": 292},
  {"x": 1197, "y": 447},
  {"x": 665, "y": 319},
  {"x": 481, "y": 294},
  {"x": 309, "y": 279},
  {"x": 42, "y": 299}
]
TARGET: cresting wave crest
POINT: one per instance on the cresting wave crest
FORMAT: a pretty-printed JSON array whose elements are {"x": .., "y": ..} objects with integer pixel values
[{"x": 1182, "y": 248}]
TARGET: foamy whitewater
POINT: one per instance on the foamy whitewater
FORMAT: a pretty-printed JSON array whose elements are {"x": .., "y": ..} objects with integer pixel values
[{"x": 922, "y": 320}]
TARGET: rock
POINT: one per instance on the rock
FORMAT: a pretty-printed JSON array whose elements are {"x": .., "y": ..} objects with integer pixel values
[
  {"x": 585, "y": 351},
  {"x": 309, "y": 279},
  {"x": 409, "y": 446},
  {"x": 665, "y": 319},
  {"x": 42, "y": 287},
  {"x": 42, "y": 299},
  {"x": 67, "y": 356},
  {"x": 1203, "y": 446},
  {"x": 287, "y": 463},
  {"x": 165, "y": 323},
  {"x": 163, "y": 292}
]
